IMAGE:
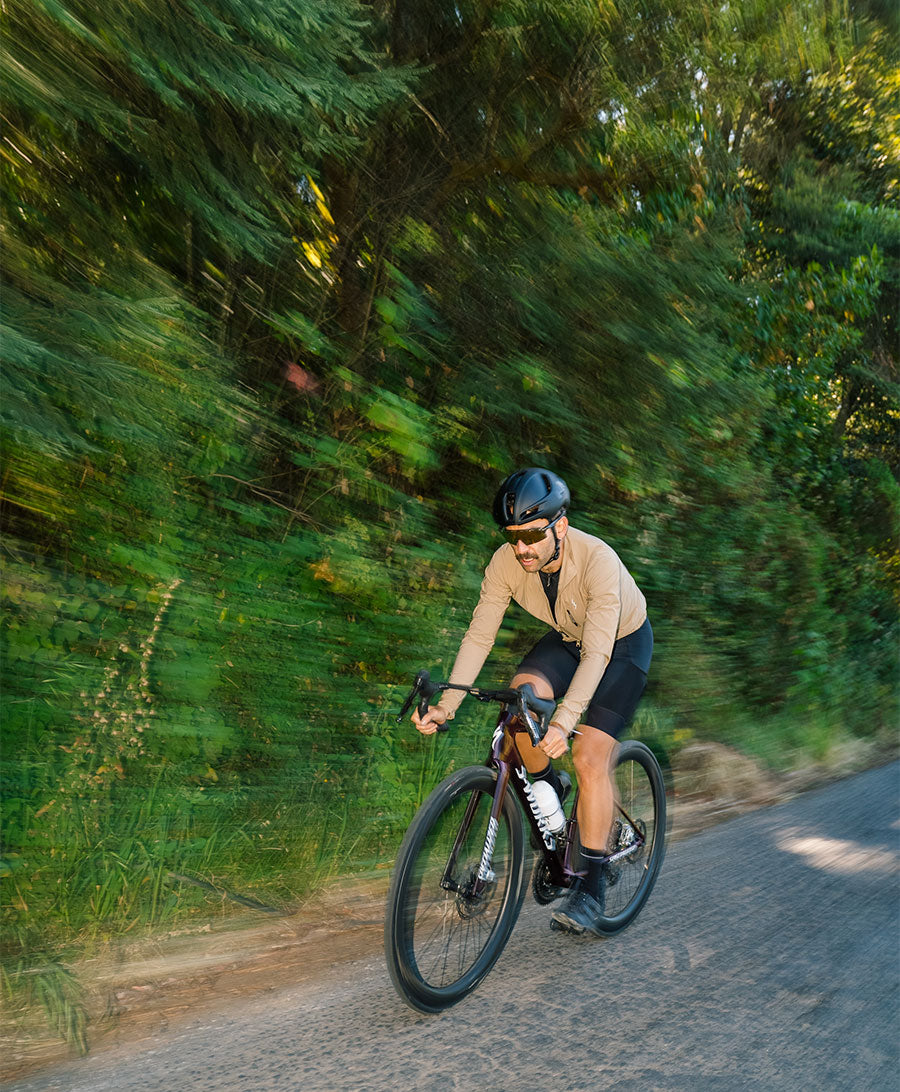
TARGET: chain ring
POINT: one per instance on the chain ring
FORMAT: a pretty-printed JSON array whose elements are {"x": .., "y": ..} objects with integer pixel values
[{"x": 542, "y": 888}]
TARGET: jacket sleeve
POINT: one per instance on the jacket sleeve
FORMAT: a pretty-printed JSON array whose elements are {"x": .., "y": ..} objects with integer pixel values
[
  {"x": 601, "y": 622},
  {"x": 481, "y": 634}
]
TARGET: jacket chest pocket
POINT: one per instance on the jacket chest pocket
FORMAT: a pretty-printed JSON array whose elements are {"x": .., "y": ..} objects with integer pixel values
[{"x": 574, "y": 616}]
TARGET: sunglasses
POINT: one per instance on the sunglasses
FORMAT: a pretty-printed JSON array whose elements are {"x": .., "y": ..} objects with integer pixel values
[{"x": 529, "y": 538}]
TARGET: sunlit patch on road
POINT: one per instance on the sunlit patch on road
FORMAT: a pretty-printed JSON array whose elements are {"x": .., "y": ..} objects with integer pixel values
[{"x": 838, "y": 855}]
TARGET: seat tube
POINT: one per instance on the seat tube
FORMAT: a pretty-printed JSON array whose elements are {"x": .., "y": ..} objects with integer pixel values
[{"x": 568, "y": 863}]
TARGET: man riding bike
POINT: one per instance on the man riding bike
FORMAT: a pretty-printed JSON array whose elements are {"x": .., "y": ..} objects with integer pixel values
[{"x": 595, "y": 658}]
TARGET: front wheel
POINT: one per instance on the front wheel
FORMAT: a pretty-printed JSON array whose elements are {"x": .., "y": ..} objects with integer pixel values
[
  {"x": 448, "y": 916},
  {"x": 639, "y": 833}
]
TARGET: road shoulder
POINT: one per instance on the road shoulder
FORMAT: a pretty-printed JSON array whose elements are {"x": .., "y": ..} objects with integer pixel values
[{"x": 153, "y": 987}]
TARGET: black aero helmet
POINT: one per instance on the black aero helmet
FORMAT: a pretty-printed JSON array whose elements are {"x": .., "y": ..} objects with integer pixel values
[{"x": 530, "y": 494}]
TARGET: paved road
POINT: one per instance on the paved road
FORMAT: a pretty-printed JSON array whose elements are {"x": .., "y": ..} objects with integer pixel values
[{"x": 767, "y": 958}]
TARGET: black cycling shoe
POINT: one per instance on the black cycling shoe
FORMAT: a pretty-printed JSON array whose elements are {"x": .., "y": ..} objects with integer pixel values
[
  {"x": 566, "y": 783},
  {"x": 579, "y": 913}
]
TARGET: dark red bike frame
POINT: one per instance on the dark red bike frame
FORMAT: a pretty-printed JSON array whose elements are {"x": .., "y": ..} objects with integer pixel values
[
  {"x": 504, "y": 756},
  {"x": 557, "y": 850}
]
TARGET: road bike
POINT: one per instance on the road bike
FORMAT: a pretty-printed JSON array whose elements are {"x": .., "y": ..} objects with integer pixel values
[{"x": 460, "y": 875}]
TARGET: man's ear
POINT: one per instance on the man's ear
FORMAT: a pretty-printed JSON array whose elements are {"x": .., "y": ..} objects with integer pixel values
[{"x": 562, "y": 527}]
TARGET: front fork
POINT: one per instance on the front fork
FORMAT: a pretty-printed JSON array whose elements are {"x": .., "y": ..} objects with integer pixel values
[{"x": 485, "y": 874}]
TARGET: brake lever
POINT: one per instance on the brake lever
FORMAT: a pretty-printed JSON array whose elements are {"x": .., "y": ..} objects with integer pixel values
[
  {"x": 423, "y": 711},
  {"x": 533, "y": 729},
  {"x": 423, "y": 686},
  {"x": 407, "y": 705},
  {"x": 525, "y": 716},
  {"x": 536, "y": 729},
  {"x": 421, "y": 679}
]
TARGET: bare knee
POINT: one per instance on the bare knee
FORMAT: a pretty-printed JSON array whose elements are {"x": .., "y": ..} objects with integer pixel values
[
  {"x": 593, "y": 754},
  {"x": 539, "y": 684}
]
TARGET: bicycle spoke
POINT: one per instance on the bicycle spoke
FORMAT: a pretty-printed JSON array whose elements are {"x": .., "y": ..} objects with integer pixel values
[
  {"x": 445, "y": 952},
  {"x": 441, "y": 942},
  {"x": 638, "y": 835}
]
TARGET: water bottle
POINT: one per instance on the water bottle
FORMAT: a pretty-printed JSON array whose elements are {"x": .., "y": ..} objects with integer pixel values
[{"x": 550, "y": 806}]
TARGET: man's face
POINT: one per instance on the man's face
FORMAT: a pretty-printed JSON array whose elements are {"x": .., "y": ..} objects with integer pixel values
[{"x": 535, "y": 555}]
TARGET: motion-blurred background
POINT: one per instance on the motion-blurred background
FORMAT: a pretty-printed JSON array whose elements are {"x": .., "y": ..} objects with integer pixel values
[{"x": 289, "y": 288}]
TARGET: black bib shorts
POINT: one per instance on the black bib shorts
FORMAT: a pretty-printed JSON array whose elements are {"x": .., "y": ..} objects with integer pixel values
[{"x": 616, "y": 698}]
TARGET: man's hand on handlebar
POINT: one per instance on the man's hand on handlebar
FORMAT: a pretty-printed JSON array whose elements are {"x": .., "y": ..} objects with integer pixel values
[
  {"x": 555, "y": 743},
  {"x": 428, "y": 724}
]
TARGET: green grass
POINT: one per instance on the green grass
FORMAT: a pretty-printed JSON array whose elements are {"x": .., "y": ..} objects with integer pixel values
[{"x": 133, "y": 860}]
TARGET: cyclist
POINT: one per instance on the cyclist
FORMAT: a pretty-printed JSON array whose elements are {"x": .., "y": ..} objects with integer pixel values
[{"x": 595, "y": 657}]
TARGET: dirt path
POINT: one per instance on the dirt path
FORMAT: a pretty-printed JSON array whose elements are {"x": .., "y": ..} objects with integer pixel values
[{"x": 153, "y": 986}]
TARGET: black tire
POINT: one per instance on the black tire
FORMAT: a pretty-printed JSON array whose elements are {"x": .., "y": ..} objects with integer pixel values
[
  {"x": 641, "y": 796},
  {"x": 440, "y": 943}
]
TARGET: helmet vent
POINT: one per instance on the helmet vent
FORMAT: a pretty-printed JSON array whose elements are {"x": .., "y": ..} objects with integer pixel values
[{"x": 530, "y": 494}]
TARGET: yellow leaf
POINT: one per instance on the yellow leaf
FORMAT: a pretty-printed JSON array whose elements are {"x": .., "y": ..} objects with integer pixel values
[{"x": 312, "y": 255}]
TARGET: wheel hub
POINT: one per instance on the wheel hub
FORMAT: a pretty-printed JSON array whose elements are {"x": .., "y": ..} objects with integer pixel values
[{"x": 470, "y": 904}]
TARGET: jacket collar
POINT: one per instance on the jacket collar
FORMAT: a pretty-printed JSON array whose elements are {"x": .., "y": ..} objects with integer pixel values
[{"x": 567, "y": 572}]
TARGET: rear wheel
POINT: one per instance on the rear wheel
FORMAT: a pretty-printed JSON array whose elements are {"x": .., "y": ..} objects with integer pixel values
[
  {"x": 639, "y": 827},
  {"x": 446, "y": 925}
]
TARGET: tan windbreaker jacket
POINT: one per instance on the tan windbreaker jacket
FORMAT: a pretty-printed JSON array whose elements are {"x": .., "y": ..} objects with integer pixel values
[{"x": 597, "y": 602}]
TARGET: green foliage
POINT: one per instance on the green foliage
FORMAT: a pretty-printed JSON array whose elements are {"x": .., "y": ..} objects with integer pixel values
[{"x": 289, "y": 290}]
